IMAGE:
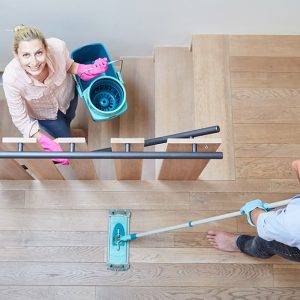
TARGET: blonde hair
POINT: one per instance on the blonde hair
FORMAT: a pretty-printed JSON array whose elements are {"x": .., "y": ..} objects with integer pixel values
[{"x": 27, "y": 33}]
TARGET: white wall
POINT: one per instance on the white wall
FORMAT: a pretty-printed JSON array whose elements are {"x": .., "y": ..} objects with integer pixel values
[{"x": 134, "y": 27}]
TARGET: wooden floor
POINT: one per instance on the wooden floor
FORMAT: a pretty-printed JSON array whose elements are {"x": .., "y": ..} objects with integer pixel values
[
  {"x": 53, "y": 241},
  {"x": 53, "y": 234}
]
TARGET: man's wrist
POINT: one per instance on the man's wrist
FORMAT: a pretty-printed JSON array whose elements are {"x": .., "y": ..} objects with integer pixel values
[{"x": 255, "y": 214}]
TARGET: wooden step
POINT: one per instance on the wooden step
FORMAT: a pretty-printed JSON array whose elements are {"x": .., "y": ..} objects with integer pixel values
[
  {"x": 213, "y": 98},
  {"x": 83, "y": 169},
  {"x": 174, "y": 97},
  {"x": 139, "y": 119},
  {"x": 42, "y": 169},
  {"x": 128, "y": 169},
  {"x": 186, "y": 169},
  {"x": 10, "y": 169}
]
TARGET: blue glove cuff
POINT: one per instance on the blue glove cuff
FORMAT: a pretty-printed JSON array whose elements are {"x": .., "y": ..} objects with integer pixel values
[{"x": 250, "y": 206}]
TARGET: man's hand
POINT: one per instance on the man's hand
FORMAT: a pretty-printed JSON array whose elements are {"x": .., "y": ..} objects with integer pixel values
[{"x": 252, "y": 208}]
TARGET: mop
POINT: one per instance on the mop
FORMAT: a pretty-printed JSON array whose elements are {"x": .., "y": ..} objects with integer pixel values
[{"x": 119, "y": 237}]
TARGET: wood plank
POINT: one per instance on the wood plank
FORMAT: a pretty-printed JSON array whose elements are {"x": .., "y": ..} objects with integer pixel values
[
  {"x": 287, "y": 275},
  {"x": 212, "y": 98},
  {"x": 189, "y": 169},
  {"x": 281, "y": 185},
  {"x": 82, "y": 169},
  {"x": 276, "y": 114},
  {"x": 43, "y": 169},
  {"x": 17, "y": 140},
  {"x": 128, "y": 169},
  {"x": 12, "y": 199},
  {"x": 266, "y": 133},
  {"x": 11, "y": 170},
  {"x": 264, "y": 168},
  {"x": 195, "y": 255},
  {"x": 264, "y": 97},
  {"x": 137, "y": 255},
  {"x": 53, "y": 254},
  {"x": 264, "y": 45},
  {"x": 42, "y": 238},
  {"x": 7, "y": 128},
  {"x": 149, "y": 200},
  {"x": 149, "y": 275},
  {"x": 265, "y": 80},
  {"x": 138, "y": 76},
  {"x": 99, "y": 137},
  {"x": 58, "y": 220},
  {"x": 264, "y": 64},
  {"x": 232, "y": 201},
  {"x": 174, "y": 97},
  {"x": 47, "y": 292},
  {"x": 139, "y": 119},
  {"x": 47, "y": 238},
  {"x": 240, "y": 185},
  {"x": 96, "y": 220},
  {"x": 37, "y": 168},
  {"x": 267, "y": 150},
  {"x": 186, "y": 293},
  {"x": 190, "y": 239}
]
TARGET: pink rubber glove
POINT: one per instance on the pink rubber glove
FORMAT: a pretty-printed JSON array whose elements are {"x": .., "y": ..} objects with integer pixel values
[
  {"x": 88, "y": 72},
  {"x": 50, "y": 146}
]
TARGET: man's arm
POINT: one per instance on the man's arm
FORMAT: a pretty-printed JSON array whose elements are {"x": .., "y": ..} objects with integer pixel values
[{"x": 255, "y": 214}]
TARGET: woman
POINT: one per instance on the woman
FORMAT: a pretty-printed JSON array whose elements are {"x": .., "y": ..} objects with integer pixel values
[{"x": 39, "y": 86}]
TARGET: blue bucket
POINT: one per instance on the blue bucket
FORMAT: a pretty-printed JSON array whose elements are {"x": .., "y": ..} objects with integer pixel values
[{"x": 104, "y": 95}]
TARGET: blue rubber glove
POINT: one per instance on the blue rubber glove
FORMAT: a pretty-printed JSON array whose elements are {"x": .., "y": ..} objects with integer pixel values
[{"x": 250, "y": 206}]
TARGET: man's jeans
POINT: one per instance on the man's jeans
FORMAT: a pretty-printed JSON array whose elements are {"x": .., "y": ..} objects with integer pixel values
[
  {"x": 61, "y": 126},
  {"x": 258, "y": 247}
]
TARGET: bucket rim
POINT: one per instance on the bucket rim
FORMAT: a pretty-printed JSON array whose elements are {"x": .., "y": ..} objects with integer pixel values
[{"x": 86, "y": 96}]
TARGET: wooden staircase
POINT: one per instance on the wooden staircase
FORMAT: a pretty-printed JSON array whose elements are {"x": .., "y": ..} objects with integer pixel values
[{"x": 163, "y": 98}]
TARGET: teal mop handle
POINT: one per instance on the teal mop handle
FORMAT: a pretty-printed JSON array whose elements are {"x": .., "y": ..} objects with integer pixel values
[{"x": 134, "y": 236}]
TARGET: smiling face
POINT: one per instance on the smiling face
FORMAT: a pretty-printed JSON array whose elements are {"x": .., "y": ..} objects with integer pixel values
[{"x": 32, "y": 56}]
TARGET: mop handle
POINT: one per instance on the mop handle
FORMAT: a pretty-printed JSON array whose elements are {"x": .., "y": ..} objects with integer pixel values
[{"x": 197, "y": 222}]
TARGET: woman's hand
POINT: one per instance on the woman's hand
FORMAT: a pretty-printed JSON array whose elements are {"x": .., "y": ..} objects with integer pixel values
[
  {"x": 88, "y": 72},
  {"x": 51, "y": 146}
]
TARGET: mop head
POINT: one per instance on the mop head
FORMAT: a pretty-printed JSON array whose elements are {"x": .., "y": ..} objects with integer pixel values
[{"x": 118, "y": 250}]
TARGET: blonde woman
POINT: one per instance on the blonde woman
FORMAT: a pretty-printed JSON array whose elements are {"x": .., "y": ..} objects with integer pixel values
[{"x": 39, "y": 86}]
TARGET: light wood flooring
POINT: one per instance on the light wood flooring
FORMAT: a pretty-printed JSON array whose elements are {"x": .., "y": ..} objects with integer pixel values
[{"x": 53, "y": 233}]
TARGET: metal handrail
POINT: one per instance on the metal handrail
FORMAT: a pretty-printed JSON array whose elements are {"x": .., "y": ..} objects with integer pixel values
[
  {"x": 181, "y": 135},
  {"x": 127, "y": 154},
  {"x": 111, "y": 155}
]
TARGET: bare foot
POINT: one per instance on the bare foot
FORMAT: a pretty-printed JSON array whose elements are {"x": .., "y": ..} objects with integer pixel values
[{"x": 222, "y": 240}]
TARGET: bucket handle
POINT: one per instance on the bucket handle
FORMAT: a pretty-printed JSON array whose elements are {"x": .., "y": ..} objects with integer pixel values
[
  {"x": 119, "y": 72},
  {"x": 78, "y": 86},
  {"x": 115, "y": 61}
]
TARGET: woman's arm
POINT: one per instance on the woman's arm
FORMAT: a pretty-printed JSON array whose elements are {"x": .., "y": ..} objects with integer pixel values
[{"x": 73, "y": 68}]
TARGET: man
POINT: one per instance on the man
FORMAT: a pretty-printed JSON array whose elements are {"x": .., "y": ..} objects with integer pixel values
[{"x": 278, "y": 231}]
